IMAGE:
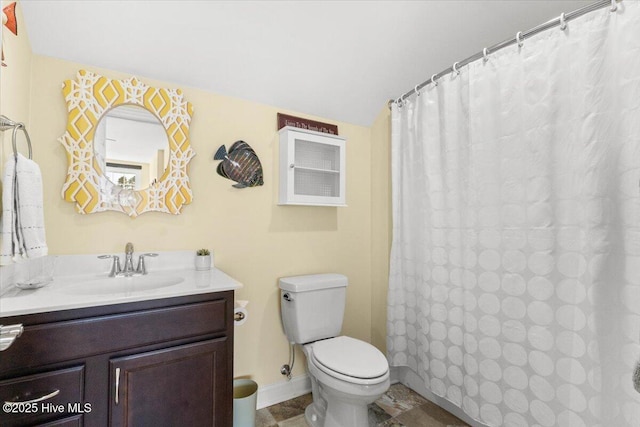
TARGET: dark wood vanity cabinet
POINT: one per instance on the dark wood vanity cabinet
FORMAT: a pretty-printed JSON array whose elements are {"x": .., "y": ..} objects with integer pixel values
[{"x": 166, "y": 362}]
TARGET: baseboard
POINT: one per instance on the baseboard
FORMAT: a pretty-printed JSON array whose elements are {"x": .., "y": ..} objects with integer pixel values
[
  {"x": 279, "y": 392},
  {"x": 409, "y": 378},
  {"x": 394, "y": 374}
]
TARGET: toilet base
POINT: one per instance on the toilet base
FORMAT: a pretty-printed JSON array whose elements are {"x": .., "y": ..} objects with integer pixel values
[
  {"x": 335, "y": 408},
  {"x": 340, "y": 415},
  {"x": 314, "y": 419}
]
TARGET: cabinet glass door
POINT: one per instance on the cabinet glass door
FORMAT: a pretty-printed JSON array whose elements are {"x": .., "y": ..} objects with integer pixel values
[{"x": 317, "y": 169}]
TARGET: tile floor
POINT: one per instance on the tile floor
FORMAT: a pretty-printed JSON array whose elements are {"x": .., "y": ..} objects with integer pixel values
[{"x": 398, "y": 407}]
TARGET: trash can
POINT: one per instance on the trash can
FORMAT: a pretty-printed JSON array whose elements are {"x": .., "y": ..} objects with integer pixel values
[{"x": 245, "y": 397}]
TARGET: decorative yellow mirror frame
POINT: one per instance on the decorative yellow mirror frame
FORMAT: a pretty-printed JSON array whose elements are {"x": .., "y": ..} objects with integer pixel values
[{"x": 88, "y": 99}]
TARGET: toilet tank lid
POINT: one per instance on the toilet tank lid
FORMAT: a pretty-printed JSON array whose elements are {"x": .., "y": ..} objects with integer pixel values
[{"x": 312, "y": 282}]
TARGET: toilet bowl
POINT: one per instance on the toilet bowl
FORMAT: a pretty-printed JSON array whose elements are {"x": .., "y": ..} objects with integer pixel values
[{"x": 346, "y": 375}]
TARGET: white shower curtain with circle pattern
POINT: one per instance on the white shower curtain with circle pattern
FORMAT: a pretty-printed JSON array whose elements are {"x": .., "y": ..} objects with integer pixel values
[{"x": 514, "y": 289}]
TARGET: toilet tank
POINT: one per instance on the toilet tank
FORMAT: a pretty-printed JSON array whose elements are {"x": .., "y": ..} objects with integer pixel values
[{"x": 312, "y": 306}]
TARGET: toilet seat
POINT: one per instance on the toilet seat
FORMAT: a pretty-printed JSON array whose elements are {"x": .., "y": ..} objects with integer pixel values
[{"x": 350, "y": 360}]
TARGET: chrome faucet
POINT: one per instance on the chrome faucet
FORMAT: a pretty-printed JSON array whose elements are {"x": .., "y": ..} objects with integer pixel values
[
  {"x": 128, "y": 260},
  {"x": 117, "y": 271}
]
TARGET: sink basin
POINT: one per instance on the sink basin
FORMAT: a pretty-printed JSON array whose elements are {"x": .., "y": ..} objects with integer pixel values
[{"x": 119, "y": 285}]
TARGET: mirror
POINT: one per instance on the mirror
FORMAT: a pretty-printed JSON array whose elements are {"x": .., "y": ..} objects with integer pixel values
[
  {"x": 127, "y": 146},
  {"x": 131, "y": 147}
]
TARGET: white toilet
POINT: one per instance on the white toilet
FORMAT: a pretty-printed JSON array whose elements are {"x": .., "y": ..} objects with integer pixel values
[{"x": 346, "y": 374}]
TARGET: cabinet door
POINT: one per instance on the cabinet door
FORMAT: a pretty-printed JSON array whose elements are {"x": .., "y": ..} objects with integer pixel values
[{"x": 187, "y": 385}]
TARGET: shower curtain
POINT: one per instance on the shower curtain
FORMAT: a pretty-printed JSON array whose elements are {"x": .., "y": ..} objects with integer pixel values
[{"x": 514, "y": 287}]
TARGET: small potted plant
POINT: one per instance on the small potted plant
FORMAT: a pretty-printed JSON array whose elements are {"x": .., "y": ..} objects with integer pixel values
[{"x": 203, "y": 259}]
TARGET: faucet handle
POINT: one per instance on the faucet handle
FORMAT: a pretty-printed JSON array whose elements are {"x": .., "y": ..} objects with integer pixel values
[
  {"x": 115, "y": 267},
  {"x": 141, "y": 269}
]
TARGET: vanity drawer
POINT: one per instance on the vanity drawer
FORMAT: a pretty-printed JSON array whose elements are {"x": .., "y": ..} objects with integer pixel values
[
  {"x": 48, "y": 343},
  {"x": 69, "y": 384}
]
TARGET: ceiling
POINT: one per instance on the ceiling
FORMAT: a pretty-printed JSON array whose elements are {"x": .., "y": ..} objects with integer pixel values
[{"x": 340, "y": 60}]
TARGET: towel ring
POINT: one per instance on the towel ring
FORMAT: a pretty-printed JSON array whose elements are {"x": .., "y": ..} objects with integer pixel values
[
  {"x": 26, "y": 134},
  {"x": 6, "y": 124}
]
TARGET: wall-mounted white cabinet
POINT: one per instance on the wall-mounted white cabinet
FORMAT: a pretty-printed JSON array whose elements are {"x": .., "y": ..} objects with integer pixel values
[{"x": 312, "y": 168}]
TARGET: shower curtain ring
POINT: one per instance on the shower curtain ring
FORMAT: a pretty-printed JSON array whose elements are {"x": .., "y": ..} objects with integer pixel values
[
  {"x": 455, "y": 68},
  {"x": 519, "y": 38},
  {"x": 485, "y": 54},
  {"x": 563, "y": 21},
  {"x": 433, "y": 80},
  {"x": 614, "y": 5},
  {"x": 417, "y": 91},
  {"x": 399, "y": 102}
]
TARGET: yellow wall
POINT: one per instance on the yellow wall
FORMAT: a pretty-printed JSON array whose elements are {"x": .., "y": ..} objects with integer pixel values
[
  {"x": 254, "y": 240},
  {"x": 380, "y": 225}
]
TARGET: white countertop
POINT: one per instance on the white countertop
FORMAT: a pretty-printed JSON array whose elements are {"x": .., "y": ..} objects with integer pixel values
[{"x": 89, "y": 290}]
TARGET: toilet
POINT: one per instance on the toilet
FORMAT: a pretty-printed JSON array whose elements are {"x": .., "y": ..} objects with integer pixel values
[{"x": 346, "y": 374}]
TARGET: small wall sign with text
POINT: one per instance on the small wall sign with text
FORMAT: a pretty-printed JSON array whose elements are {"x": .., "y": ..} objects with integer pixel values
[{"x": 298, "y": 122}]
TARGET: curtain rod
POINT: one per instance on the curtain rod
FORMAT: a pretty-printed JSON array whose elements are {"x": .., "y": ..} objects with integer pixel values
[{"x": 519, "y": 38}]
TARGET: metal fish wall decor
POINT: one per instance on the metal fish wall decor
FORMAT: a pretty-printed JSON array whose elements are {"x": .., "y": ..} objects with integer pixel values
[{"x": 240, "y": 164}]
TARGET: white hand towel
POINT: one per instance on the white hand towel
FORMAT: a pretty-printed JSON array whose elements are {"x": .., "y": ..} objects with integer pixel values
[
  {"x": 23, "y": 234},
  {"x": 6, "y": 250}
]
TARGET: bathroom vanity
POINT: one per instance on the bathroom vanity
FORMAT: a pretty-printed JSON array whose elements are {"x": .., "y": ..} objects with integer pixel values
[{"x": 151, "y": 357}]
